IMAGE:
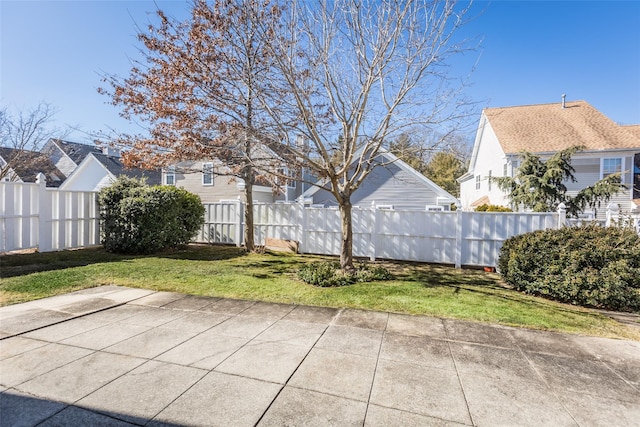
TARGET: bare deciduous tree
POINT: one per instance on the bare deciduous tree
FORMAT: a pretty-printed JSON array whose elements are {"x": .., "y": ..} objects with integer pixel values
[
  {"x": 359, "y": 73},
  {"x": 26, "y": 131},
  {"x": 197, "y": 88}
]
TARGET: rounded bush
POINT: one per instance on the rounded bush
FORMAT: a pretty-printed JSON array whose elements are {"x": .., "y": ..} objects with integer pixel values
[
  {"x": 140, "y": 219},
  {"x": 328, "y": 274},
  {"x": 590, "y": 266}
]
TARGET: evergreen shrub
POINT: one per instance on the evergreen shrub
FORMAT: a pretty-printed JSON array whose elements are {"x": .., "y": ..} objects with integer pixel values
[
  {"x": 139, "y": 219},
  {"x": 493, "y": 208},
  {"x": 590, "y": 266}
]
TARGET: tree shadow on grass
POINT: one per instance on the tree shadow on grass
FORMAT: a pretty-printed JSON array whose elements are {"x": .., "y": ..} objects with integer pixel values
[
  {"x": 12, "y": 265},
  {"x": 486, "y": 285}
]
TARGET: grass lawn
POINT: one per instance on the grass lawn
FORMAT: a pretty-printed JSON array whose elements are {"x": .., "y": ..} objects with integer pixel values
[{"x": 224, "y": 271}]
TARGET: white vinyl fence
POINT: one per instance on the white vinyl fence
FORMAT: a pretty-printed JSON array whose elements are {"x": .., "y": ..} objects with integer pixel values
[
  {"x": 33, "y": 216},
  {"x": 459, "y": 238}
]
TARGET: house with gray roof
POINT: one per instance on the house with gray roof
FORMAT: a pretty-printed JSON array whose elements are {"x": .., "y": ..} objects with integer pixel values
[
  {"x": 25, "y": 165},
  {"x": 98, "y": 170},
  {"x": 392, "y": 184},
  {"x": 67, "y": 155},
  {"x": 505, "y": 133}
]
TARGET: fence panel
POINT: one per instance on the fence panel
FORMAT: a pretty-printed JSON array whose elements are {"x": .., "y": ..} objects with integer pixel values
[
  {"x": 18, "y": 216},
  {"x": 483, "y": 233},
  {"x": 276, "y": 220},
  {"x": 416, "y": 236},
  {"x": 33, "y": 216},
  {"x": 460, "y": 238},
  {"x": 222, "y": 223},
  {"x": 322, "y": 232}
]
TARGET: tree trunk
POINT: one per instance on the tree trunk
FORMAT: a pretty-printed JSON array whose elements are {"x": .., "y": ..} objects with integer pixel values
[
  {"x": 249, "y": 242},
  {"x": 346, "y": 249}
]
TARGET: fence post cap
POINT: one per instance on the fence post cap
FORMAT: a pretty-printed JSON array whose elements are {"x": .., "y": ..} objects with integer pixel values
[
  {"x": 41, "y": 178},
  {"x": 562, "y": 206},
  {"x": 613, "y": 206}
]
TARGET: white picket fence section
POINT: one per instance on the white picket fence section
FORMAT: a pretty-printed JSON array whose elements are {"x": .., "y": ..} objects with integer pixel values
[
  {"x": 33, "y": 216},
  {"x": 458, "y": 238}
]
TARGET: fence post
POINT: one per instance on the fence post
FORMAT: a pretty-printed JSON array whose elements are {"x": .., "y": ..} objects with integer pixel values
[
  {"x": 373, "y": 233},
  {"x": 302, "y": 226},
  {"x": 239, "y": 233},
  {"x": 613, "y": 214},
  {"x": 562, "y": 215},
  {"x": 459, "y": 221},
  {"x": 44, "y": 215}
]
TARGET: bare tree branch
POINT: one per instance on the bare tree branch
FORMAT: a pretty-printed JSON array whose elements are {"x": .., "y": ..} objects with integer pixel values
[
  {"x": 25, "y": 132},
  {"x": 358, "y": 74}
]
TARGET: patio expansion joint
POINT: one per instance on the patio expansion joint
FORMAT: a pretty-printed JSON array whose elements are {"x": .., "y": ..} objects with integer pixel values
[
  {"x": 73, "y": 317},
  {"x": 455, "y": 366},
  {"x": 621, "y": 377},
  {"x": 546, "y": 384},
  {"x": 50, "y": 370},
  {"x": 294, "y": 371},
  {"x": 375, "y": 370}
]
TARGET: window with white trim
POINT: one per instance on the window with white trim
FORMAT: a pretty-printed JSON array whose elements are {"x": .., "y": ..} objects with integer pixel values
[
  {"x": 207, "y": 174},
  {"x": 505, "y": 169},
  {"x": 477, "y": 182},
  {"x": 611, "y": 166},
  {"x": 489, "y": 180},
  {"x": 170, "y": 176}
]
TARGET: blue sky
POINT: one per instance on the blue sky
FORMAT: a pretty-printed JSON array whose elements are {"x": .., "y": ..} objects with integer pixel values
[{"x": 533, "y": 52}]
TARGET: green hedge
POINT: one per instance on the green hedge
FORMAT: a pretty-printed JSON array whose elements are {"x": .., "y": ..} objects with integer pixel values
[
  {"x": 137, "y": 218},
  {"x": 493, "y": 208},
  {"x": 590, "y": 266}
]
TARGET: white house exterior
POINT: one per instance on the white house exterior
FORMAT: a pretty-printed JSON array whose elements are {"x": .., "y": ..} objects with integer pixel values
[
  {"x": 97, "y": 171},
  {"x": 504, "y": 133},
  {"x": 393, "y": 184}
]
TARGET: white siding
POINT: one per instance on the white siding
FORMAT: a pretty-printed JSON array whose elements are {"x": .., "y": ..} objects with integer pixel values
[
  {"x": 488, "y": 157},
  {"x": 91, "y": 175},
  {"x": 460, "y": 238}
]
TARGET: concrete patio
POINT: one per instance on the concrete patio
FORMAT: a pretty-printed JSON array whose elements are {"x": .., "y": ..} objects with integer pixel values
[{"x": 122, "y": 357}]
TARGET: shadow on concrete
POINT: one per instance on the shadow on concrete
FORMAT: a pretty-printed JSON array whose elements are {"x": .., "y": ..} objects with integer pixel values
[{"x": 23, "y": 410}]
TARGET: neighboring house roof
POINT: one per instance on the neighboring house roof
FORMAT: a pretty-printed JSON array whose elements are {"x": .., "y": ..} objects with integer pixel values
[
  {"x": 484, "y": 200},
  {"x": 30, "y": 163},
  {"x": 547, "y": 128},
  {"x": 115, "y": 166},
  {"x": 76, "y": 151},
  {"x": 634, "y": 129},
  {"x": 99, "y": 170},
  {"x": 391, "y": 158}
]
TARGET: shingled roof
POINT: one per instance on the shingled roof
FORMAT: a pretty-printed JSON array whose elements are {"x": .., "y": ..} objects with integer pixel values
[
  {"x": 76, "y": 151},
  {"x": 634, "y": 129},
  {"x": 28, "y": 164},
  {"x": 550, "y": 127},
  {"x": 117, "y": 168}
]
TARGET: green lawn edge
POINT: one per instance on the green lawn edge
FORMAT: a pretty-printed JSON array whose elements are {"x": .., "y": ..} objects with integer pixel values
[{"x": 229, "y": 272}]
